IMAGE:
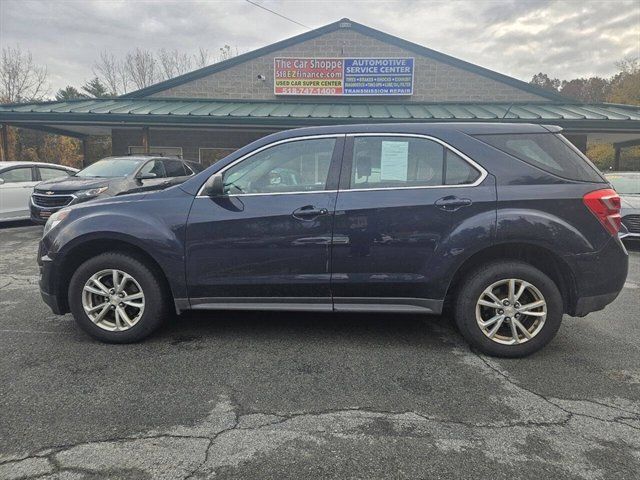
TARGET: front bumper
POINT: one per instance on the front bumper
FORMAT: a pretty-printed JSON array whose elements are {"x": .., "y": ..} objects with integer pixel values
[
  {"x": 47, "y": 282},
  {"x": 52, "y": 301},
  {"x": 40, "y": 214}
]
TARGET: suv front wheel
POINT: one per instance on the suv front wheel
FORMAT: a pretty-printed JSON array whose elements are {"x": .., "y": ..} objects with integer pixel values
[
  {"x": 508, "y": 309},
  {"x": 116, "y": 298}
]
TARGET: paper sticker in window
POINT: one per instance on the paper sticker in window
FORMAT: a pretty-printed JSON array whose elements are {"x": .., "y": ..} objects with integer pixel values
[{"x": 394, "y": 163}]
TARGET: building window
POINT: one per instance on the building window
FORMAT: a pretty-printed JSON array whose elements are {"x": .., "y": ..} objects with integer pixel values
[
  {"x": 209, "y": 156},
  {"x": 162, "y": 151}
]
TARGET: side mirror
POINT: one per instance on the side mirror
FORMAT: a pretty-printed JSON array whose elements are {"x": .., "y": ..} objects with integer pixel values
[
  {"x": 214, "y": 187},
  {"x": 1, "y": 181},
  {"x": 146, "y": 176}
]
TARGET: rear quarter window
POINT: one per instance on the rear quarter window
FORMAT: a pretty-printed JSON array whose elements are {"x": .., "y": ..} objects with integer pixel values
[{"x": 549, "y": 152}]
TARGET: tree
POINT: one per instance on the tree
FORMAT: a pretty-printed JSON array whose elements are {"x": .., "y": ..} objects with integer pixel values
[
  {"x": 62, "y": 150},
  {"x": 96, "y": 89},
  {"x": 112, "y": 73},
  {"x": 587, "y": 90},
  {"x": 173, "y": 63},
  {"x": 542, "y": 80},
  {"x": 625, "y": 86},
  {"x": 69, "y": 93},
  {"x": 142, "y": 67},
  {"x": 21, "y": 80},
  {"x": 202, "y": 58},
  {"x": 226, "y": 53}
]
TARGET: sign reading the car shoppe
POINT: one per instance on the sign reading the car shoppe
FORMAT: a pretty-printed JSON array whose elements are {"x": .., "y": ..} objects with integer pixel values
[{"x": 343, "y": 76}]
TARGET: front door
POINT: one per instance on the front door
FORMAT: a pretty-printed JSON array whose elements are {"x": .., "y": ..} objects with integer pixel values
[
  {"x": 400, "y": 217},
  {"x": 157, "y": 173},
  {"x": 268, "y": 238},
  {"x": 15, "y": 192}
]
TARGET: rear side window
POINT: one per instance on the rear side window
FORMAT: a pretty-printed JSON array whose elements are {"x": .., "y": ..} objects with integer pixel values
[
  {"x": 51, "y": 173},
  {"x": 397, "y": 162},
  {"x": 547, "y": 151},
  {"x": 174, "y": 168}
]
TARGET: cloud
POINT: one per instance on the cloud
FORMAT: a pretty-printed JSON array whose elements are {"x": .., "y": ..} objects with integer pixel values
[{"x": 566, "y": 39}]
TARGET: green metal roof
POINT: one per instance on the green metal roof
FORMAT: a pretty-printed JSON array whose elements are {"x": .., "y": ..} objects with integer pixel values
[{"x": 152, "y": 111}]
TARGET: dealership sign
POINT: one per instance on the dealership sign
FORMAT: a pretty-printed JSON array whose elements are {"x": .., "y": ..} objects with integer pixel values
[{"x": 343, "y": 76}]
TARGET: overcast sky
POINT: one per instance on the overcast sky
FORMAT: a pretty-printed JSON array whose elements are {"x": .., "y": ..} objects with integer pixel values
[{"x": 566, "y": 39}]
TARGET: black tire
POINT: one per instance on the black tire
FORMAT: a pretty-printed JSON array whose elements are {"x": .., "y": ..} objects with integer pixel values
[
  {"x": 478, "y": 280},
  {"x": 156, "y": 308}
]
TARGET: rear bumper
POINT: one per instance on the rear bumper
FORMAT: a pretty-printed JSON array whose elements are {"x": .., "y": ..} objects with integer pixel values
[
  {"x": 599, "y": 277},
  {"x": 586, "y": 305}
]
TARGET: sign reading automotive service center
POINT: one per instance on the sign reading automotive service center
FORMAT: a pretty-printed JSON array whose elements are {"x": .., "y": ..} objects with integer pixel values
[{"x": 343, "y": 76}]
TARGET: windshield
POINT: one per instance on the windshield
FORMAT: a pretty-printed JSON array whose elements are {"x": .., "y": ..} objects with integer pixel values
[
  {"x": 110, "y": 167},
  {"x": 626, "y": 184}
]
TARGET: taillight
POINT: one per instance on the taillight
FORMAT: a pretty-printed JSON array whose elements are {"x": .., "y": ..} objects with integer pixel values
[{"x": 605, "y": 205}]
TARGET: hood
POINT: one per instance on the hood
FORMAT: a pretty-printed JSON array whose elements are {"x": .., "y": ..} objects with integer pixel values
[
  {"x": 630, "y": 202},
  {"x": 71, "y": 184}
]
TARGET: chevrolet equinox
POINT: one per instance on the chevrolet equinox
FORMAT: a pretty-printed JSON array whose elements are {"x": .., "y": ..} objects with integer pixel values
[{"x": 507, "y": 226}]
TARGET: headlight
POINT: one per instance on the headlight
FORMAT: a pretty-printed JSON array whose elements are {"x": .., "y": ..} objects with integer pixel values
[
  {"x": 94, "y": 192},
  {"x": 55, "y": 219}
]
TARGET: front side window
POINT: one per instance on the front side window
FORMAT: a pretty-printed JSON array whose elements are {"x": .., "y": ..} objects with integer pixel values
[
  {"x": 51, "y": 173},
  {"x": 16, "y": 175},
  {"x": 547, "y": 151},
  {"x": 400, "y": 162},
  {"x": 297, "y": 166},
  {"x": 153, "y": 167}
]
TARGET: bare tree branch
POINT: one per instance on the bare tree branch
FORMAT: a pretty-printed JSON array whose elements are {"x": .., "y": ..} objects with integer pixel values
[
  {"x": 202, "y": 58},
  {"x": 173, "y": 63},
  {"x": 21, "y": 80},
  {"x": 142, "y": 67}
]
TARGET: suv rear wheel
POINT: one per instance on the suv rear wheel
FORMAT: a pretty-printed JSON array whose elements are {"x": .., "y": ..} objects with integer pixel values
[
  {"x": 508, "y": 309},
  {"x": 116, "y": 298}
]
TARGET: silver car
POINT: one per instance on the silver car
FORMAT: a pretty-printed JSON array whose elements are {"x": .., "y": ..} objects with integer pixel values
[
  {"x": 17, "y": 180},
  {"x": 627, "y": 184}
]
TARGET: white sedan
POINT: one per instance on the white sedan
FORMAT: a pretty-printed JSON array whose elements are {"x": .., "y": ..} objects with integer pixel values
[{"x": 17, "y": 180}]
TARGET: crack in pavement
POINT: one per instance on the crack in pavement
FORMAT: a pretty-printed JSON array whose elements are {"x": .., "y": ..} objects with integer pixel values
[
  {"x": 557, "y": 402},
  {"x": 236, "y": 439},
  {"x": 226, "y": 439}
]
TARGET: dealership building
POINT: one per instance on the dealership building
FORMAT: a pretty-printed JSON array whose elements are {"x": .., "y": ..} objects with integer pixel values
[{"x": 344, "y": 72}]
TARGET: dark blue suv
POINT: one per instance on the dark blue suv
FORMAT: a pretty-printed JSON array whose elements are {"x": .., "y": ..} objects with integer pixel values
[{"x": 508, "y": 225}]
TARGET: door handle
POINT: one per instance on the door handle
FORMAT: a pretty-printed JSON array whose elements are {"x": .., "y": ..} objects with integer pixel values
[
  {"x": 451, "y": 203},
  {"x": 309, "y": 212}
]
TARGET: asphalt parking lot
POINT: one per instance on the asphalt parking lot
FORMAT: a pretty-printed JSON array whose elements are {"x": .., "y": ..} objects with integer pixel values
[{"x": 272, "y": 395}]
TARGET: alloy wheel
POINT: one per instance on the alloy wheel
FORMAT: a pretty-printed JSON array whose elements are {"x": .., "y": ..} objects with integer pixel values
[
  {"x": 113, "y": 300},
  {"x": 511, "y": 311}
]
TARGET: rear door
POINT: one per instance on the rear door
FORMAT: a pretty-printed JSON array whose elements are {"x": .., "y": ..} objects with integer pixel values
[
  {"x": 401, "y": 218},
  {"x": 15, "y": 192},
  {"x": 267, "y": 239},
  {"x": 175, "y": 171}
]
